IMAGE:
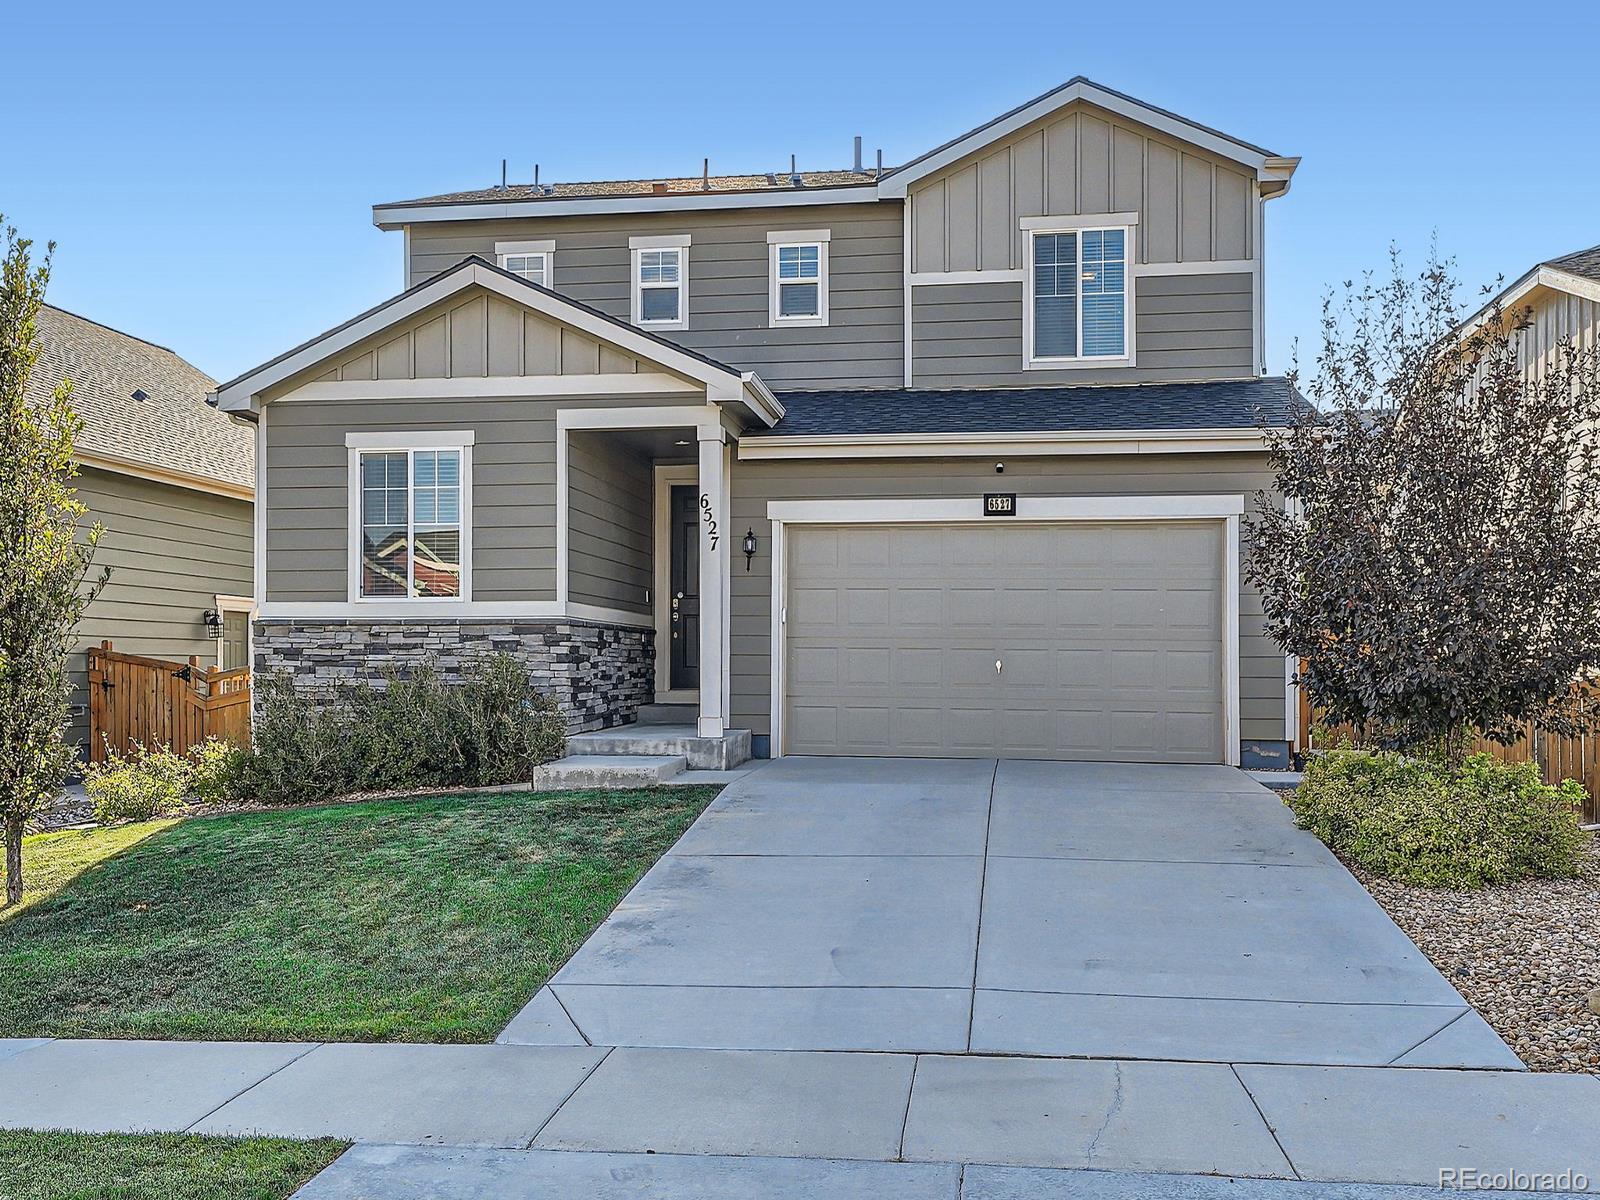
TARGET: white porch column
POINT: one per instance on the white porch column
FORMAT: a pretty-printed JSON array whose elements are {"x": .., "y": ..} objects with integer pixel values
[{"x": 714, "y": 579}]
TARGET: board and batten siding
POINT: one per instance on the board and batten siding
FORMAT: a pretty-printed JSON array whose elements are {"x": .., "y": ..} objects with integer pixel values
[
  {"x": 861, "y": 346},
  {"x": 172, "y": 551},
  {"x": 1556, "y": 318},
  {"x": 1263, "y": 701},
  {"x": 611, "y": 523},
  {"x": 1185, "y": 327},
  {"x": 1192, "y": 206}
]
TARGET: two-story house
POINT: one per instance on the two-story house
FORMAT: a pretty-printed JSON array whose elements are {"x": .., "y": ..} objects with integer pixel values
[{"x": 943, "y": 460}]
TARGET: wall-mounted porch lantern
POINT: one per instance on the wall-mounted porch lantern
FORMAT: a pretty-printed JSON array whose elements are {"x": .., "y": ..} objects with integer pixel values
[
  {"x": 213, "y": 620},
  {"x": 749, "y": 547}
]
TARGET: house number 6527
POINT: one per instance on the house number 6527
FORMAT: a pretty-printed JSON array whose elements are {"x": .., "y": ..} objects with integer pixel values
[{"x": 711, "y": 521}]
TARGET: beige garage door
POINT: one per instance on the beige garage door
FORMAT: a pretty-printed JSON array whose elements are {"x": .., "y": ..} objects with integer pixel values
[{"x": 1073, "y": 641}]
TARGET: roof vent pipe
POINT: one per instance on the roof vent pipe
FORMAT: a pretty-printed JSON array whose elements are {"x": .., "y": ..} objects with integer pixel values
[
  {"x": 705, "y": 175},
  {"x": 535, "y": 174},
  {"x": 880, "y": 163},
  {"x": 794, "y": 172},
  {"x": 857, "y": 167},
  {"x": 502, "y": 174}
]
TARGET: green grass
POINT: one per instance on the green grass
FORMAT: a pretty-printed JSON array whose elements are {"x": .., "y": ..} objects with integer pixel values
[
  {"x": 155, "y": 1166},
  {"x": 407, "y": 920},
  {"x": 52, "y": 860}
]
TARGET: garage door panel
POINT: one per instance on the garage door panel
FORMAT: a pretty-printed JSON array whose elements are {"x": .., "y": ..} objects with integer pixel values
[{"x": 1110, "y": 636}]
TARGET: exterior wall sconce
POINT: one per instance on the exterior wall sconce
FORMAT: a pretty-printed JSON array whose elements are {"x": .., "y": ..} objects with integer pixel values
[
  {"x": 749, "y": 547},
  {"x": 213, "y": 620}
]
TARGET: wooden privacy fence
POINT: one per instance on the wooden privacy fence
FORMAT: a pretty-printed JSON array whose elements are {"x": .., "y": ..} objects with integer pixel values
[
  {"x": 153, "y": 702},
  {"x": 1558, "y": 757}
]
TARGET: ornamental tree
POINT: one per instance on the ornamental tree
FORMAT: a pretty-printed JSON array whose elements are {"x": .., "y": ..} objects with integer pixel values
[
  {"x": 45, "y": 563},
  {"x": 1436, "y": 568}
]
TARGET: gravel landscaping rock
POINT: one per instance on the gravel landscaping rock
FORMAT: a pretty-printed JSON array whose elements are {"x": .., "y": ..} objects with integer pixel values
[
  {"x": 67, "y": 811},
  {"x": 1525, "y": 955}
]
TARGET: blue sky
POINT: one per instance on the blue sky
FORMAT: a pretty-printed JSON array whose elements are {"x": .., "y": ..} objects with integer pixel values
[{"x": 208, "y": 170}]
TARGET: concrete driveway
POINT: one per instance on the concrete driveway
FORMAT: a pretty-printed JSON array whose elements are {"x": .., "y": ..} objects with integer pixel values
[{"x": 1056, "y": 909}]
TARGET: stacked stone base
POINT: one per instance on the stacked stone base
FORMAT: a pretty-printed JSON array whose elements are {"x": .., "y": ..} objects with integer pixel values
[{"x": 598, "y": 674}]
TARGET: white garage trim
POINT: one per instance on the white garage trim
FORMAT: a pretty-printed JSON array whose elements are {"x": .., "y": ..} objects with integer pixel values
[{"x": 1030, "y": 510}]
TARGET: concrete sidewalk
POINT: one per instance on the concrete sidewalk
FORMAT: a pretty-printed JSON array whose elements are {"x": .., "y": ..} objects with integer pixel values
[{"x": 1347, "y": 1124}]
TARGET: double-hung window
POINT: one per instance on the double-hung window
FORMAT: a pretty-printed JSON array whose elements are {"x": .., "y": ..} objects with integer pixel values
[
  {"x": 1078, "y": 300},
  {"x": 660, "y": 281},
  {"x": 798, "y": 271},
  {"x": 411, "y": 507},
  {"x": 531, "y": 260}
]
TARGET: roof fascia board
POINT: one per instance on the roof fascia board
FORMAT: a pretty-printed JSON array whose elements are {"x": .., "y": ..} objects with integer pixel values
[
  {"x": 895, "y": 184},
  {"x": 1022, "y": 442},
  {"x": 140, "y": 470},
  {"x": 1541, "y": 276},
  {"x": 243, "y": 393},
  {"x": 396, "y": 216}
]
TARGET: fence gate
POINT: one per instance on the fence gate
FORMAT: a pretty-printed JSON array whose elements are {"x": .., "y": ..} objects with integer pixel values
[{"x": 153, "y": 702}]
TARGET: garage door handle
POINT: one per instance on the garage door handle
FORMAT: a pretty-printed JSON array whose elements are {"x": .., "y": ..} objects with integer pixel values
[{"x": 998, "y": 668}]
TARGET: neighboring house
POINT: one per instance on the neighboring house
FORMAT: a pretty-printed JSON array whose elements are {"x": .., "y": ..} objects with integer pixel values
[
  {"x": 171, "y": 480},
  {"x": 1561, "y": 299},
  {"x": 750, "y": 444}
]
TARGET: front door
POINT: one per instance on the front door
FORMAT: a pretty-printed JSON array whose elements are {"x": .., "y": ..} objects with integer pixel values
[{"x": 685, "y": 598}]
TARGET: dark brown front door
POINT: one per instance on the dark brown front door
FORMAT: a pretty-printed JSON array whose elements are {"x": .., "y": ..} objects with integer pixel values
[{"x": 685, "y": 598}]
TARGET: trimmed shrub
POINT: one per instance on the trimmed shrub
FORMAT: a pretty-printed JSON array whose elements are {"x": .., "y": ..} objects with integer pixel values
[
  {"x": 1433, "y": 825},
  {"x": 217, "y": 771},
  {"x": 138, "y": 786},
  {"x": 401, "y": 734}
]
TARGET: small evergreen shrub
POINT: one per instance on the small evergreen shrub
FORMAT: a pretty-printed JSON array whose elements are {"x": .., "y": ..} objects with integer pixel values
[
  {"x": 138, "y": 786},
  {"x": 216, "y": 772},
  {"x": 1433, "y": 825},
  {"x": 401, "y": 734}
]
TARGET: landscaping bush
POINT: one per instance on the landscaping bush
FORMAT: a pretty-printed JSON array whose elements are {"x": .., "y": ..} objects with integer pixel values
[
  {"x": 1433, "y": 825},
  {"x": 216, "y": 771},
  {"x": 401, "y": 734},
  {"x": 137, "y": 786}
]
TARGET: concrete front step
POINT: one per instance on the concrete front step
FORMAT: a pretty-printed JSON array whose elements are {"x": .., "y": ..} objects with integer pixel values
[
  {"x": 607, "y": 771},
  {"x": 667, "y": 714},
  {"x": 701, "y": 753}
]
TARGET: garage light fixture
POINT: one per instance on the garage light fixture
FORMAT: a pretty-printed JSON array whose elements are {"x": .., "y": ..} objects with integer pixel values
[{"x": 749, "y": 547}]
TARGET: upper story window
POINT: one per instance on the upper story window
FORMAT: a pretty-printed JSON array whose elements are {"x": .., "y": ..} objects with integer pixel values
[
  {"x": 798, "y": 273},
  {"x": 531, "y": 260},
  {"x": 1079, "y": 298},
  {"x": 410, "y": 507},
  {"x": 660, "y": 281}
]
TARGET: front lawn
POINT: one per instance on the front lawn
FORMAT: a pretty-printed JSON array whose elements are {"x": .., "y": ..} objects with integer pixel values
[
  {"x": 155, "y": 1166},
  {"x": 404, "y": 920}
]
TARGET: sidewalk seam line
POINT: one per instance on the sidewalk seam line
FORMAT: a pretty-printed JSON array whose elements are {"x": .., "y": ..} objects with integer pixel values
[
  {"x": 905, "y": 1119},
  {"x": 567, "y": 1013},
  {"x": 1465, "y": 1010},
  {"x": 1273, "y": 1133},
  {"x": 252, "y": 1086},
  {"x": 983, "y": 884},
  {"x": 528, "y": 1145}
]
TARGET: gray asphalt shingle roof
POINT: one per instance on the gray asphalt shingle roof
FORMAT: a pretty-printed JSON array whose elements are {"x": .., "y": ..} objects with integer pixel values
[
  {"x": 1227, "y": 404},
  {"x": 171, "y": 428},
  {"x": 779, "y": 181},
  {"x": 1581, "y": 262}
]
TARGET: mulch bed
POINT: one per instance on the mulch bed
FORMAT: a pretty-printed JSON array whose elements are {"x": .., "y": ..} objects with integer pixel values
[{"x": 1525, "y": 955}]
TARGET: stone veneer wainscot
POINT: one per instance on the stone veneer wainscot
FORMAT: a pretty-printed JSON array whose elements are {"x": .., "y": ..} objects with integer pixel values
[{"x": 599, "y": 674}]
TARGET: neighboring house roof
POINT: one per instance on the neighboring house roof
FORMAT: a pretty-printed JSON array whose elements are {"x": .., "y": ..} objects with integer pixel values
[
  {"x": 821, "y": 187},
  {"x": 722, "y": 381},
  {"x": 1585, "y": 263},
  {"x": 1243, "y": 404},
  {"x": 1577, "y": 274},
  {"x": 169, "y": 431}
]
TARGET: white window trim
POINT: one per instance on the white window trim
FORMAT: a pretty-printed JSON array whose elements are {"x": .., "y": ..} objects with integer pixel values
[
  {"x": 543, "y": 248},
  {"x": 670, "y": 241},
  {"x": 1227, "y": 509},
  {"x": 777, "y": 241},
  {"x": 412, "y": 442},
  {"x": 1032, "y": 227}
]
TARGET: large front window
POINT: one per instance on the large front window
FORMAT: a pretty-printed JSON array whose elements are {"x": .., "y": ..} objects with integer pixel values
[
  {"x": 411, "y": 507},
  {"x": 1079, "y": 296}
]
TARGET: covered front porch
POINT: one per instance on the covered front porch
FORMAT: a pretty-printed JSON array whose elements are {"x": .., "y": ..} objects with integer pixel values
[{"x": 643, "y": 538}]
